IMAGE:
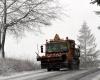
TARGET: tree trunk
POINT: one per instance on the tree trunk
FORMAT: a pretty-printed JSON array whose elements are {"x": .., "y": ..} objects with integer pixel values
[
  {"x": 4, "y": 29},
  {"x": 85, "y": 56},
  {"x": 0, "y": 44},
  {"x": 3, "y": 42}
]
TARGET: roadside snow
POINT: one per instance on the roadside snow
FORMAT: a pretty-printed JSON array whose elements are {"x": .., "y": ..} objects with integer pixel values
[
  {"x": 14, "y": 75},
  {"x": 97, "y": 77}
]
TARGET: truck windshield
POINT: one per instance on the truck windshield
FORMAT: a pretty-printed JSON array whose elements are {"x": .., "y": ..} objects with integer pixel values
[{"x": 56, "y": 47}]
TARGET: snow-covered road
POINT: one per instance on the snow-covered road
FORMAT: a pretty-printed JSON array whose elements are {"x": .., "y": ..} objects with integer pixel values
[{"x": 56, "y": 75}]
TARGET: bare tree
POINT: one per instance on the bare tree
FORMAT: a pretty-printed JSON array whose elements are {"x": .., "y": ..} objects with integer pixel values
[
  {"x": 88, "y": 50},
  {"x": 95, "y": 1},
  {"x": 18, "y": 16},
  {"x": 96, "y": 12}
]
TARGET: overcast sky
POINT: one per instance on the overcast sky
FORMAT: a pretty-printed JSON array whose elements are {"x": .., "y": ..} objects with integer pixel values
[{"x": 78, "y": 11}]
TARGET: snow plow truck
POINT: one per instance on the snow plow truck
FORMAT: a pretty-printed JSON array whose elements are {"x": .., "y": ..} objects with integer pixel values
[{"x": 59, "y": 53}]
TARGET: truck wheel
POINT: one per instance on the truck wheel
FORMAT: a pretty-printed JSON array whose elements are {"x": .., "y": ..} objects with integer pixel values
[
  {"x": 74, "y": 66},
  {"x": 56, "y": 69},
  {"x": 69, "y": 67},
  {"x": 48, "y": 69},
  {"x": 78, "y": 67}
]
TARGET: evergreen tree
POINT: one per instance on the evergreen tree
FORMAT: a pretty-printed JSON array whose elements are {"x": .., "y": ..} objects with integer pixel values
[{"x": 88, "y": 50}]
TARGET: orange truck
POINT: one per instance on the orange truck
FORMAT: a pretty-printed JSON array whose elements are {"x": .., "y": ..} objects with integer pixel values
[{"x": 60, "y": 53}]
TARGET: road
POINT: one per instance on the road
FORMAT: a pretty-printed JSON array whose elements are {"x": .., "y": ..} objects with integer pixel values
[{"x": 82, "y": 74}]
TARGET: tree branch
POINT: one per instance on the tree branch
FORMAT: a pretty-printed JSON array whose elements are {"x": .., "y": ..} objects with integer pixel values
[
  {"x": 12, "y": 3},
  {"x": 41, "y": 2},
  {"x": 17, "y": 8},
  {"x": 8, "y": 6},
  {"x": 18, "y": 20},
  {"x": 93, "y": 2}
]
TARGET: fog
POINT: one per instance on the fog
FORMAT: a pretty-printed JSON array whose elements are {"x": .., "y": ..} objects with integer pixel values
[{"x": 77, "y": 11}]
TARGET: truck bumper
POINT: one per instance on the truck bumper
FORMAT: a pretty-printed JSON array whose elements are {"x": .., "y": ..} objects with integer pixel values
[{"x": 54, "y": 65}]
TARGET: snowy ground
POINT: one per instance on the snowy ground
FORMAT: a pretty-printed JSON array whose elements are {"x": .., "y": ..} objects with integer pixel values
[
  {"x": 81, "y": 74},
  {"x": 14, "y": 75},
  {"x": 97, "y": 77}
]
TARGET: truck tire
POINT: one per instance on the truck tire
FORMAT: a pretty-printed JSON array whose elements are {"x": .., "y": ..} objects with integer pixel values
[
  {"x": 56, "y": 69},
  {"x": 48, "y": 69},
  {"x": 74, "y": 67},
  {"x": 69, "y": 67}
]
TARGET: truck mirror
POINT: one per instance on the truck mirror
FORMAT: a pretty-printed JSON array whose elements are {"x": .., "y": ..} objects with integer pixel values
[
  {"x": 77, "y": 52},
  {"x": 41, "y": 49}
]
